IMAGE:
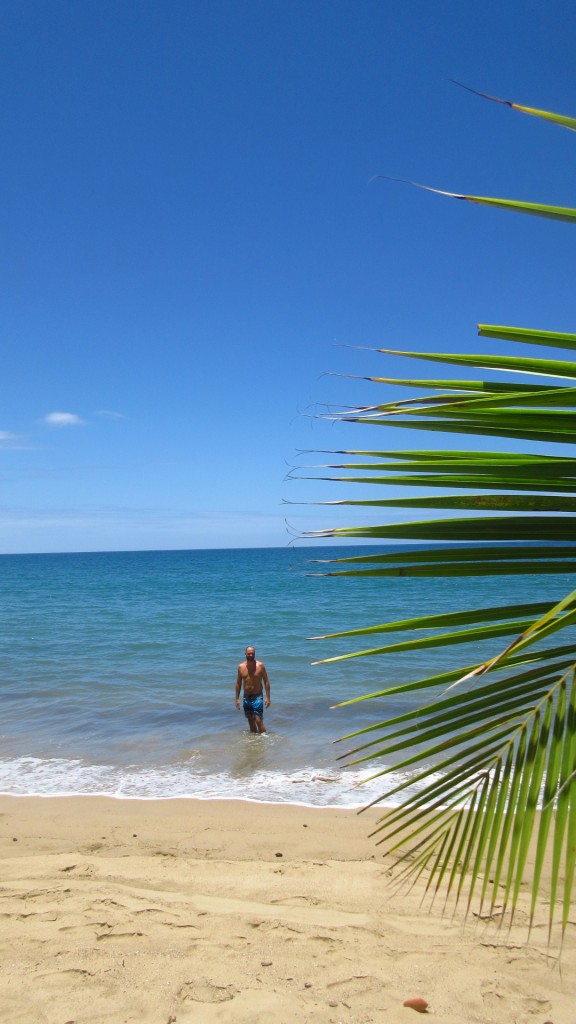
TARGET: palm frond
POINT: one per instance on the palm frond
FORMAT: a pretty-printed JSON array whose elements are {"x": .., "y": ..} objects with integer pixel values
[{"x": 484, "y": 765}]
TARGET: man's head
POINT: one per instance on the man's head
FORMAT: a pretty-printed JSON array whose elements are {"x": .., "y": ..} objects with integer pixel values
[{"x": 250, "y": 654}]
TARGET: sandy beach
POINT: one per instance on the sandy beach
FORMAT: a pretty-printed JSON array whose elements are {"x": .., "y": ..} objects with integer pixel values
[{"x": 181, "y": 911}]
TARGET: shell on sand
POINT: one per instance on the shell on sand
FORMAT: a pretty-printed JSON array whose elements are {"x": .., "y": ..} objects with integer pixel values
[{"x": 416, "y": 1003}]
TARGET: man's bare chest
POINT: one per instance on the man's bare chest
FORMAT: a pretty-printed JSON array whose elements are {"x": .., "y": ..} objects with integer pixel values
[{"x": 252, "y": 679}]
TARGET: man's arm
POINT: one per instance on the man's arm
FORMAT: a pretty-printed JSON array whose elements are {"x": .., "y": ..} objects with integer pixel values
[
  {"x": 266, "y": 682},
  {"x": 238, "y": 687}
]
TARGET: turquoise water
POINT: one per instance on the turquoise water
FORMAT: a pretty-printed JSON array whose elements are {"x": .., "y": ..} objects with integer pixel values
[{"x": 117, "y": 671}]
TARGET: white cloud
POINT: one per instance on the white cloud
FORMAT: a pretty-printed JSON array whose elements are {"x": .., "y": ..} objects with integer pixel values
[
  {"x": 62, "y": 419},
  {"x": 111, "y": 414}
]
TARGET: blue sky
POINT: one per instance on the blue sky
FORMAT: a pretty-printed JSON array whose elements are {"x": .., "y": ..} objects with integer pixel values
[{"x": 190, "y": 240}]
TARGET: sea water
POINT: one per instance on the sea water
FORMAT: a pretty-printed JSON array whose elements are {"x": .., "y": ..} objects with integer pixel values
[{"x": 118, "y": 670}]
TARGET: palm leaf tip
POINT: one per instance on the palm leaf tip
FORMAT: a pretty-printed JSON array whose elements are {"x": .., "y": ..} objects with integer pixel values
[
  {"x": 560, "y": 119},
  {"x": 561, "y": 213}
]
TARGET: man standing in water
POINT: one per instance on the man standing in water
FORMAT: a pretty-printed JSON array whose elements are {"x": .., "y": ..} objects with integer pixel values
[{"x": 252, "y": 674}]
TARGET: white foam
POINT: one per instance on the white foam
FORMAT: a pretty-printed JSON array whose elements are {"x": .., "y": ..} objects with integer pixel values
[{"x": 31, "y": 776}]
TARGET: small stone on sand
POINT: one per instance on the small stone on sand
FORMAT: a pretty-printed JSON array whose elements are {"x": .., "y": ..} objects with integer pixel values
[{"x": 416, "y": 1003}]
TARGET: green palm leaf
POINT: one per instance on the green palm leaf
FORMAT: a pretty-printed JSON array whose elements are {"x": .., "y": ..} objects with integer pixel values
[
  {"x": 528, "y": 336},
  {"x": 514, "y": 428},
  {"x": 504, "y": 528},
  {"x": 514, "y": 364},
  {"x": 447, "y": 555},
  {"x": 487, "y": 757}
]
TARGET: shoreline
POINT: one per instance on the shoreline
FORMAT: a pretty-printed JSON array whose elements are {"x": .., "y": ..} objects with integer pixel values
[
  {"x": 252, "y": 778},
  {"x": 228, "y": 911},
  {"x": 355, "y": 809}
]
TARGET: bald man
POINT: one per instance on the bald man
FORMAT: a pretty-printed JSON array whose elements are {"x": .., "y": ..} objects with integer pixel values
[{"x": 252, "y": 676}]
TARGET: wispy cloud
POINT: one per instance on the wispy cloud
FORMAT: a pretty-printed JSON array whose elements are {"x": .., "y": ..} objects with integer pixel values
[
  {"x": 9, "y": 440},
  {"x": 111, "y": 414},
  {"x": 62, "y": 419}
]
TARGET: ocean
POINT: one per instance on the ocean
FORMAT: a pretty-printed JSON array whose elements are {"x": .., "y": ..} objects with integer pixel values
[{"x": 118, "y": 670}]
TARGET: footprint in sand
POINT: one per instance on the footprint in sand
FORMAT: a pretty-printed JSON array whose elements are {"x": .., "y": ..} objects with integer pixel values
[
  {"x": 205, "y": 992},
  {"x": 69, "y": 976},
  {"x": 79, "y": 870},
  {"x": 118, "y": 936},
  {"x": 296, "y": 901},
  {"x": 493, "y": 998}
]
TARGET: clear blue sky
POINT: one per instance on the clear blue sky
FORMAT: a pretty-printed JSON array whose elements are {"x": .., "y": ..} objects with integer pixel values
[{"x": 189, "y": 235}]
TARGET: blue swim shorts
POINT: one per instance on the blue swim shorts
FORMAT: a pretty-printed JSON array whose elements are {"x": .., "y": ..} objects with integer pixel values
[{"x": 254, "y": 705}]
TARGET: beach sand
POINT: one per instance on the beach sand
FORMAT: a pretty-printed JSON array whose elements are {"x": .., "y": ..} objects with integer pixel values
[{"x": 181, "y": 911}]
